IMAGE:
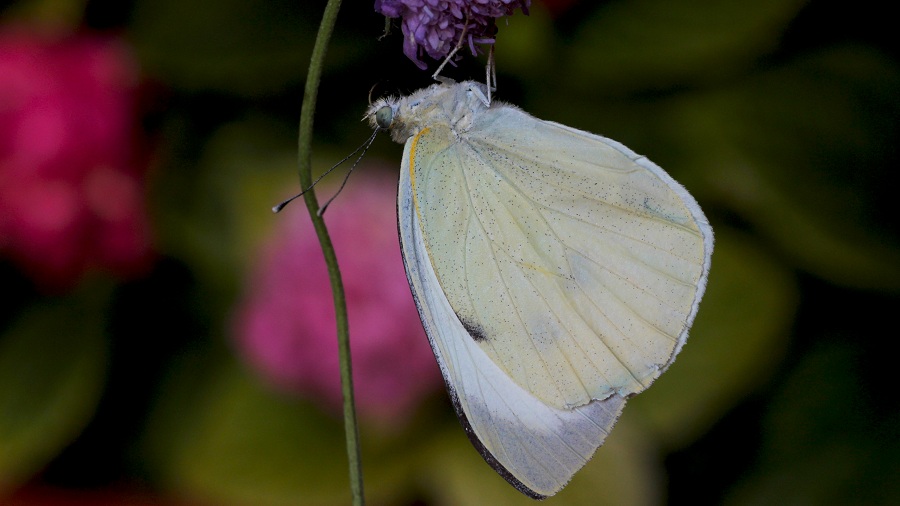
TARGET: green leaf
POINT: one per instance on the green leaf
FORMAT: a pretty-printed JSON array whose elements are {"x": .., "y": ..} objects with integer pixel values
[
  {"x": 824, "y": 440},
  {"x": 526, "y": 44},
  {"x": 247, "y": 47},
  {"x": 66, "y": 14},
  {"x": 211, "y": 213},
  {"x": 52, "y": 368},
  {"x": 651, "y": 44},
  {"x": 802, "y": 153},
  {"x": 225, "y": 438},
  {"x": 741, "y": 330}
]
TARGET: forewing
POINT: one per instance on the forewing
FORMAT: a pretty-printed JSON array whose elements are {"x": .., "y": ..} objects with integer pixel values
[
  {"x": 536, "y": 447},
  {"x": 573, "y": 263}
]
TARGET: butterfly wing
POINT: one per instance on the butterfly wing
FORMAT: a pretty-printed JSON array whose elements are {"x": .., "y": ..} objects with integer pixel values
[
  {"x": 576, "y": 265},
  {"x": 534, "y": 446},
  {"x": 556, "y": 273}
]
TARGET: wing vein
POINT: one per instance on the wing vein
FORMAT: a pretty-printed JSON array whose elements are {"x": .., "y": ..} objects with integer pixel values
[
  {"x": 519, "y": 315},
  {"x": 485, "y": 157},
  {"x": 632, "y": 283},
  {"x": 569, "y": 189},
  {"x": 488, "y": 161}
]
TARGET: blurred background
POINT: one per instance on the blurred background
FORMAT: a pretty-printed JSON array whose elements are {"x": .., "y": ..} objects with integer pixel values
[{"x": 166, "y": 340}]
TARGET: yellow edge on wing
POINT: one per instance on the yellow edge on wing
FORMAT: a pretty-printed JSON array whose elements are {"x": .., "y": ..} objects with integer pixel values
[{"x": 412, "y": 167}]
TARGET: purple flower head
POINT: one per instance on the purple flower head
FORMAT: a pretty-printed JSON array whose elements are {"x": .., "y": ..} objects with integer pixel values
[
  {"x": 435, "y": 26},
  {"x": 285, "y": 325}
]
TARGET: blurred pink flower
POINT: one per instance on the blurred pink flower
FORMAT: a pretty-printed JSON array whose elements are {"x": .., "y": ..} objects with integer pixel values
[
  {"x": 285, "y": 326},
  {"x": 71, "y": 186}
]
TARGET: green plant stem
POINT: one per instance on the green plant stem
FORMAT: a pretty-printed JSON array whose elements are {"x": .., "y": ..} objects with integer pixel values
[{"x": 304, "y": 144}]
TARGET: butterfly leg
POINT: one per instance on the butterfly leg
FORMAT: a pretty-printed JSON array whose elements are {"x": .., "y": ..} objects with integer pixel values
[
  {"x": 490, "y": 78},
  {"x": 459, "y": 45}
]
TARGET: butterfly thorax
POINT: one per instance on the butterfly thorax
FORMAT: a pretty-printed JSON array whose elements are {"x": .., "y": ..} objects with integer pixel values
[{"x": 454, "y": 105}]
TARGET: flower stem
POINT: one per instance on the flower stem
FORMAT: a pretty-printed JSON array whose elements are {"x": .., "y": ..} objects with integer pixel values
[{"x": 304, "y": 143}]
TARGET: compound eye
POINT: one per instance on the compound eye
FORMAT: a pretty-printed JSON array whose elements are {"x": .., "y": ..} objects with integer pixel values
[{"x": 384, "y": 116}]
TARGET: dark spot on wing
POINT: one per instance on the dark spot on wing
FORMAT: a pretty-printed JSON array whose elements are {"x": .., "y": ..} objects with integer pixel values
[{"x": 474, "y": 330}]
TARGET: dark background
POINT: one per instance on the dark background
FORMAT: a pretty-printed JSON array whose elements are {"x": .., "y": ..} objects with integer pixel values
[{"x": 781, "y": 118}]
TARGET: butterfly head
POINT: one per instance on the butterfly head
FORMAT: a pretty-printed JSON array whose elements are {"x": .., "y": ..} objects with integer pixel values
[{"x": 383, "y": 114}]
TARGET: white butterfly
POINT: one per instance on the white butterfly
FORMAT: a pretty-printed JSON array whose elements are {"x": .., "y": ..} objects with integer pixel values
[{"x": 556, "y": 273}]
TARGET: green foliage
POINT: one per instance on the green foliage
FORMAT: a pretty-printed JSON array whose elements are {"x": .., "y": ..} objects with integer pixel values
[
  {"x": 52, "y": 367},
  {"x": 655, "y": 44},
  {"x": 785, "y": 128},
  {"x": 233, "y": 46}
]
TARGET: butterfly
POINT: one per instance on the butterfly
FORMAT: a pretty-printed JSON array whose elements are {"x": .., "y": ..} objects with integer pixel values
[{"x": 555, "y": 271}]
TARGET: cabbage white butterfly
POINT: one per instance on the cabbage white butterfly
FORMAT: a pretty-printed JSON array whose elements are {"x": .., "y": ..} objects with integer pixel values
[{"x": 556, "y": 273}]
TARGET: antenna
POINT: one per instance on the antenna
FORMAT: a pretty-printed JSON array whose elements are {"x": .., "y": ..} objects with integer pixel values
[{"x": 364, "y": 147}]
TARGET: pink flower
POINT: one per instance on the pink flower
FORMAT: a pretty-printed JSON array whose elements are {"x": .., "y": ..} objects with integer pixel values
[
  {"x": 285, "y": 326},
  {"x": 435, "y": 26},
  {"x": 71, "y": 188}
]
